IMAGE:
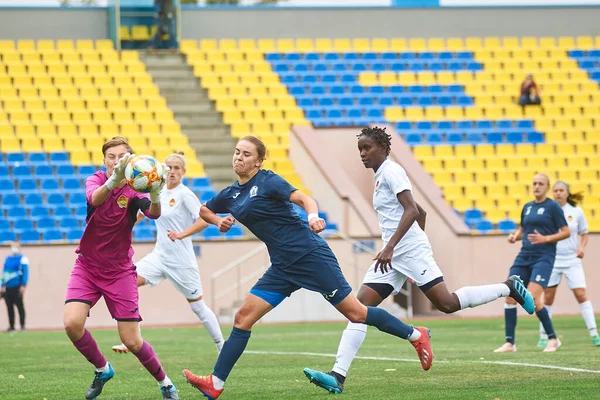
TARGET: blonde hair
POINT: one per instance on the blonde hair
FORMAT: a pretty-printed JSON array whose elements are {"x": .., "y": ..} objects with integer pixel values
[
  {"x": 261, "y": 149},
  {"x": 177, "y": 155},
  {"x": 114, "y": 142}
]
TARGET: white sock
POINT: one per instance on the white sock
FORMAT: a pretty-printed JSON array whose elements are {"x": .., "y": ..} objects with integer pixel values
[
  {"x": 217, "y": 383},
  {"x": 473, "y": 296},
  {"x": 209, "y": 320},
  {"x": 103, "y": 369},
  {"x": 543, "y": 334},
  {"x": 587, "y": 311},
  {"x": 165, "y": 382},
  {"x": 416, "y": 335},
  {"x": 352, "y": 338}
]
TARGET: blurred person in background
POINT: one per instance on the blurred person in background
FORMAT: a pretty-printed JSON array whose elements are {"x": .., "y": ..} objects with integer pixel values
[
  {"x": 530, "y": 94},
  {"x": 569, "y": 253},
  {"x": 13, "y": 283},
  {"x": 165, "y": 25}
]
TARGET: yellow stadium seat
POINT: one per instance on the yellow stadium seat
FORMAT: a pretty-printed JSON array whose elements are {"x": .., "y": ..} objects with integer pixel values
[
  {"x": 462, "y": 204},
  {"x": 140, "y": 33},
  {"x": 585, "y": 42},
  {"x": 588, "y": 175},
  {"x": 463, "y": 178},
  {"x": 436, "y": 44},
  {"x": 473, "y": 43},
  {"x": 398, "y": 45},
  {"x": 453, "y": 192},
  {"x": 285, "y": 45},
  {"x": 442, "y": 178},
  {"x": 304, "y": 45},
  {"x": 455, "y": 44},
  {"x": 323, "y": 45},
  {"x": 361, "y": 45},
  {"x": 485, "y": 204},
  {"x": 342, "y": 45}
]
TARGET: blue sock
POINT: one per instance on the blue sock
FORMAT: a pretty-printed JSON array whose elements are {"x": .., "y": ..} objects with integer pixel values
[
  {"x": 232, "y": 350},
  {"x": 544, "y": 318},
  {"x": 510, "y": 323},
  {"x": 386, "y": 322}
]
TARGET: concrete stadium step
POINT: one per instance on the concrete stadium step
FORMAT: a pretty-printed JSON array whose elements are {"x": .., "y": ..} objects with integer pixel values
[{"x": 196, "y": 113}]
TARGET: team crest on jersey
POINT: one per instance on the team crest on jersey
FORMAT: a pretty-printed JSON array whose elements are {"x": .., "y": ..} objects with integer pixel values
[
  {"x": 376, "y": 186},
  {"x": 122, "y": 201},
  {"x": 540, "y": 211},
  {"x": 528, "y": 210},
  {"x": 253, "y": 191},
  {"x": 570, "y": 218},
  {"x": 172, "y": 202}
]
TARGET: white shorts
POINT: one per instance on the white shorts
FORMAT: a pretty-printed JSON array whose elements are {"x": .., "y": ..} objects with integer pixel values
[
  {"x": 575, "y": 277},
  {"x": 416, "y": 263},
  {"x": 186, "y": 280}
]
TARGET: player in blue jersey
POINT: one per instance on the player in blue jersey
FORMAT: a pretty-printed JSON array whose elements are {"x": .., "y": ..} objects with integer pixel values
[
  {"x": 300, "y": 258},
  {"x": 543, "y": 224},
  {"x": 408, "y": 253}
]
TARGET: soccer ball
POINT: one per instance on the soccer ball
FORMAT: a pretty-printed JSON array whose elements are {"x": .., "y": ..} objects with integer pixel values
[{"x": 144, "y": 174}]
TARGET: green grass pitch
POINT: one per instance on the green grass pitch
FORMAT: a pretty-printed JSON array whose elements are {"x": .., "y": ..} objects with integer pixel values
[{"x": 464, "y": 366}]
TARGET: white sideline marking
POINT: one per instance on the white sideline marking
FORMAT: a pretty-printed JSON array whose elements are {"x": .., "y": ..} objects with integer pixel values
[{"x": 516, "y": 364}]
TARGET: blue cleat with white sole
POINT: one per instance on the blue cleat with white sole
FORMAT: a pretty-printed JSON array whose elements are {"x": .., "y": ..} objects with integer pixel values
[
  {"x": 519, "y": 292},
  {"x": 98, "y": 383},
  {"x": 324, "y": 380}
]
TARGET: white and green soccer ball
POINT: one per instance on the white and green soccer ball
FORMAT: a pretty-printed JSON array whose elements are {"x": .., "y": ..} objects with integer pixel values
[{"x": 144, "y": 174}]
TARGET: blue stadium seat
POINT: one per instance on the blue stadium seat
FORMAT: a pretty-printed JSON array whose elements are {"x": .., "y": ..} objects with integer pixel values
[
  {"x": 594, "y": 53},
  {"x": 72, "y": 185},
  {"x": 21, "y": 225},
  {"x": 474, "y": 66},
  {"x": 576, "y": 53},
  {"x": 39, "y": 212},
  {"x": 68, "y": 223},
  {"x": 370, "y": 56},
  {"x": 61, "y": 212},
  {"x": 52, "y": 236},
  {"x": 408, "y": 55},
  {"x": 59, "y": 158},
  {"x": 77, "y": 199},
  {"x": 462, "y": 125},
  {"x": 66, "y": 171},
  {"x": 320, "y": 67},
  {"x": 405, "y": 101},
  {"x": 211, "y": 232},
  {"x": 33, "y": 200},
  {"x": 378, "y": 67},
  {"x": 349, "y": 78},
  {"x": 346, "y": 101},
  {"x": 235, "y": 232},
  {"x": 354, "y": 113},
  {"x": 332, "y": 57},
  {"x": 325, "y": 102},
  {"x": 288, "y": 79},
  {"x": 3, "y": 170},
  {"x": 37, "y": 158},
  {"x": 81, "y": 211},
  {"x": 483, "y": 124},
  {"x": 7, "y": 236},
  {"x": 454, "y": 66},
  {"x": 200, "y": 182},
  {"x": 21, "y": 172},
  {"x": 337, "y": 90},
  {"x": 376, "y": 89},
  {"x": 403, "y": 125},
  {"x": 484, "y": 226},
  {"x": 74, "y": 235},
  {"x": 44, "y": 170},
  {"x": 396, "y": 89},
  {"x": 144, "y": 235},
  {"x": 4, "y": 225},
  {"x": 45, "y": 224},
  {"x": 413, "y": 139},
  {"x": 473, "y": 216},
  {"x": 317, "y": 90},
  {"x": 444, "y": 125},
  {"x": 357, "y": 89},
  {"x": 312, "y": 56},
  {"x": 425, "y": 101},
  {"x": 14, "y": 159},
  {"x": 507, "y": 226},
  {"x": 436, "y": 67},
  {"x": 535, "y": 137},
  {"x": 272, "y": 56},
  {"x": 445, "y": 55},
  {"x": 435, "y": 89},
  {"x": 306, "y": 102},
  {"x": 50, "y": 186},
  {"x": 313, "y": 114},
  {"x": 10, "y": 200},
  {"x": 27, "y": 186},
  {"x": 504, "y": 123},
  {"x": 444, "y": 101},
  {"x": 455, "y": 138},
  {"x": 456, "y": 89},
  {"x": 386, "y": 101},
  {"x": 292, "y": 56},
  {"x": 309, "y": 79},
  {"x": 56, "y": 200},
  {"x": 207, "y": 195},
  {"x": 474, "y": 138},
  {"x": 494, "y": 138},
  {"x": 525, "y": 123},
  {"x": 29, "y": 237},
  {"x": 464, "y": 101},
  {"x": 434, "y": 138},
  {"x": 514, "y": 137},
  {"x": 329, "y": 79}
]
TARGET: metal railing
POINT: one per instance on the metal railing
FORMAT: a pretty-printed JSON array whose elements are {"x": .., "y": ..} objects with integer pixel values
[{"x": 241, "y": 280}]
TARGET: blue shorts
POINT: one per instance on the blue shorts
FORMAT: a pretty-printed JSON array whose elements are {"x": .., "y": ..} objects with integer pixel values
[
  {"x": 533, "y": 268},
  {"x": 317, "y": 271}
]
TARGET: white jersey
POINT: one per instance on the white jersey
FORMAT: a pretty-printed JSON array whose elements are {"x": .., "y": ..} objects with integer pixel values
[
  {"x": 179, "y": 209},
  {"x": 566, "y": 250},
  {"x": 391, "y": 179}
]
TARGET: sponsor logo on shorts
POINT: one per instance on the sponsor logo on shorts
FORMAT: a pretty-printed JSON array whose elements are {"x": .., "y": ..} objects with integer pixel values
[
  {"x": 122, "y": 201},
  {"x": 423, "y": 273},
  {"x": 172, "y": 202},
  {"x": 253, "y": 191},
  {"x": 330, "y": 295},
  {"x": 538, "y": 278},
  {"x": 194, "y": 292}
]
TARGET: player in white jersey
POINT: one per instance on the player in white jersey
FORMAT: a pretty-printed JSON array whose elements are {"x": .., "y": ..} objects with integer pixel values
[
  {"x": 569, "y": 253},
  {"x": 173, "y": 257},
  {"x": 407, "y": 253}
]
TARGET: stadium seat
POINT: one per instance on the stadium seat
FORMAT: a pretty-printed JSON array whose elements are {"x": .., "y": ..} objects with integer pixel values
[{"x": 211, "y": 233}]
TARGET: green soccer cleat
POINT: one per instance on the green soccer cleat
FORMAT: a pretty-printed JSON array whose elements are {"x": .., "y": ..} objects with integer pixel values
[
  {"x": 324, "y": 380},
  {"x": 98, "y": 383},
  {"x": 596, "y": 340},
  {"x": 542, "y": 343}
]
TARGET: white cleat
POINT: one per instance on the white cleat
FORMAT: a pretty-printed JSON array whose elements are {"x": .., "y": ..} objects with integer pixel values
[
  {"x": 552, "y": 346},
  {"x": 121, "y": 348},
  {"x": 506, "y": 348}
]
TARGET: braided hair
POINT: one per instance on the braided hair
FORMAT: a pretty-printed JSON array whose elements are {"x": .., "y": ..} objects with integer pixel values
[{"x": 379, "y": 135}]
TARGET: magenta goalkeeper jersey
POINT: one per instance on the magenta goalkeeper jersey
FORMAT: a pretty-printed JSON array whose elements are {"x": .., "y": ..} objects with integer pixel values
[{"x": 106, "y": 241}]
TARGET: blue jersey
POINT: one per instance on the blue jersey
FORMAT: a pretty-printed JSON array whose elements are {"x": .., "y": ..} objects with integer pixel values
[
  {"x": 263, "y": 205},
  {"x": 16, "y": 271},
  {"x": 547, "y": 218}
]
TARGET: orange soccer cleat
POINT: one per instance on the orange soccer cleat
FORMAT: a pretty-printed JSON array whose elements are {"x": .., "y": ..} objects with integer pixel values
[
  {"x": 204, "y": 384},
  {"x": 423, "y": 347}
]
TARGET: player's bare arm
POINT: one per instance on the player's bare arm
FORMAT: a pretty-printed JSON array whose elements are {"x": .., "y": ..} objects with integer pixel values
[
  {"x": 224, "y": 224},
  {"x": 310, "y": 206},
  {"x": 538, "y": 238},
  {"x": 584, "y": 241},
  {"x": 516, "y": 235},
  {"x": 422, "y": 216},
  {"x": 198, "y": 226}
]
